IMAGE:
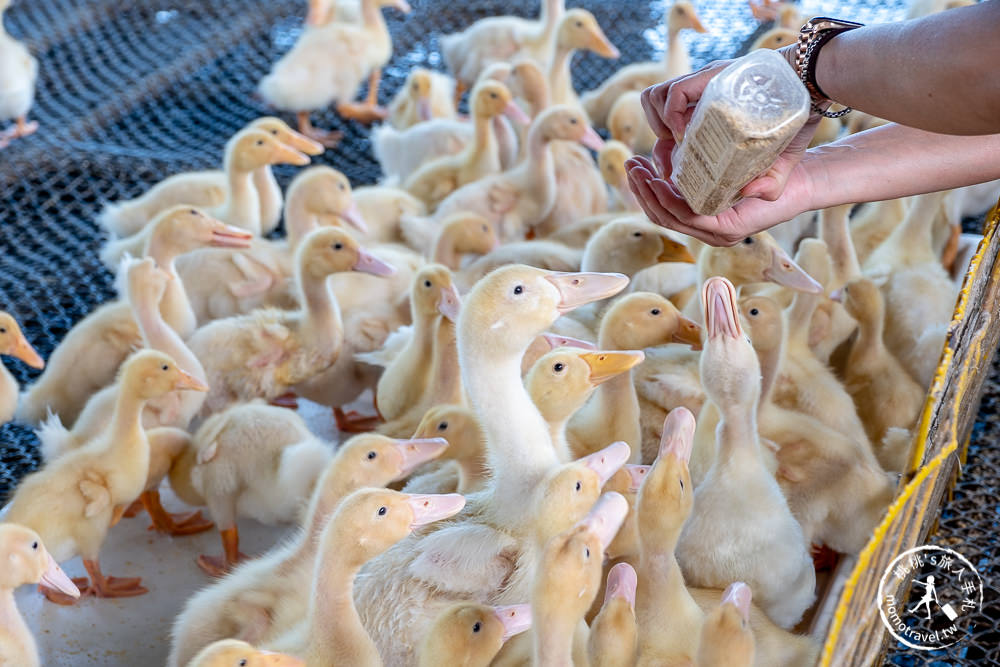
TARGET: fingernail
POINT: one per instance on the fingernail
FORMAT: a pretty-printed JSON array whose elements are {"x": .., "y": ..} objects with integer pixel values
[{"x": 754, "y": 195}]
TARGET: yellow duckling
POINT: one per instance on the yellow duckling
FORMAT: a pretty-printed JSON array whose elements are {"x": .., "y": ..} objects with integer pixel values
[
  {"x": 726, "y": 638},
  {"x": 17, "y": 84},
  {"x": 872, "y": 224},
  {"x": 73, "y": 502},
  {"x": 470, "y": 635},
  {"x": 462, "y": 468},
  {"x": 26, "y": 561},
  {"x": 776, "y": 38},
  {"x": 578, "y": 29},
  {"x": 785, "y": 14},
  {"x": 328, "y": 64},
  {"x": 613, "y": 633},
  {"x": 206, "y": 189},
  {"x": 425, "y": 95},
  {"x": 462, "y": 235},
  {"x": 229, "y": 652},
  {"x": 13, "y": 343},
  {"x": 627, "y": 123},
  {"x": 611, "y": 162}
]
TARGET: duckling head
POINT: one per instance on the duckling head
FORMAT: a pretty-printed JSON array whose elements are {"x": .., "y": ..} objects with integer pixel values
[
  {"x": 400, "y": 5},
  {"x": 628, "y": 246},
  {"x": 644, "y": 319},
  {"x": 545, "y": 343},
  {"x": 570, "y": 490},
  {"x": 459, "y": 426},
  {"x": 418, "y": 88},
  {"x": 527, "y": 81},
  {"x": 667, "y": 494},
  {"x": 728, "y": 628},
  {"x": 626, "y": 119},
  {"x": 627, "y": 481},
  {"x": 433, "y": 293},
  {"x": 578, "y": 29},
  {"x": 330, "y": 250},
  {"x": 491, "y": 98},
  {"x": 375, "y": 519},
  {"x": 13, "y": 342},
  {"x": 471, "y": 233},
  {"x": 253, "y": 148},
  {"x": 764, "y": 322},
  {"x": 730, "y": 372},
  {"x": 26, "y": 561},
  {"x": 183, "y": 229},
  {"x": 145, "y": 283},
  {"x": 757, "y": 258},
  {"x": 236, "y": 653},
  {"x": 682, "y": 16},
  {"x": 863, "y": 300},
  {"x": 566, "y": 123},
  {"x": 775, "y": 38},
  {"x": 508, "y": 307},
  {"x": 562, "y": 380},
  {"x": 376, "y": 460},
  {"x": 150, "y": 374},
  {"x": 611, "y": 162},
  {"x": 326, "y": 193},
  {"x": 279, "y": 129},
  {"x": 472, "y": 634}
]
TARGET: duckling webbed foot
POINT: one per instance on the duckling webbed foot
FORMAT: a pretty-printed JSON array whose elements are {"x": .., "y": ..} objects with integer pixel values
[
  {"x": 369, "y": 111},
  {"x": 99, "y": 585},
  {"x": 21, "y": 128},
  {"x": 189, "y": 523},
  {"x": 58, "y": 597},
  {"x": 133, "y": 510},
  {"x": 217, "y": 566},
  {"x": 287, "y": 400},
  {"x": 329, "y": 138},
  {"x": 355, "y": 422}
]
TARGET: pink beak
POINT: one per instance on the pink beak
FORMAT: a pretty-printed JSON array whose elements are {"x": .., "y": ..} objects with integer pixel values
[
  {"x": 55, "y": 578},
  {"x": 606, "y": 517},
  {"x": 721, "y": 316},
  {"x": 424, "y": 108},
  {"x": 636, "y": 474},
  {"x": 450, "y": 303},
  {"x": 607, "y": 461},
  {"x": 516, "y": 114},
  {"x": 417, "y": 451},
  {"x": 577, "y": 289},
  {"x": 353, "y": 217},
  {"x": 369, "y": 263},
  {"x": 678, "y": 434},
  {"x": 556, "y": 341},
  {"x": 516, "y": 618},
  {"x": 784, "y": 271},
  {"x": 430, "y": 508},
  {"x": 622, "y": 583},
  {"x": 592, "y": 139},
  {"x": 227, "y": 236},
  {"x": 739, "y": 595}
]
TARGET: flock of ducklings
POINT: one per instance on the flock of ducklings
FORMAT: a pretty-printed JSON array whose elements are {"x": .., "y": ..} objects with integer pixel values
[{"x": 537, "y": 351}]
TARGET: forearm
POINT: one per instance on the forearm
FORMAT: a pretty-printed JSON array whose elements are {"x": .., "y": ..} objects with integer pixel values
[
  {"x": 897, "y": 161},
  {"x": 937, "y": 73}
]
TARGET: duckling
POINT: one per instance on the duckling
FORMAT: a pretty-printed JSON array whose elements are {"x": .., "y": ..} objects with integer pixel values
[
  {"x": 436, "y": 179},
  {"x": 401, "y": 152},
  {"x": 221, "y": 282},
  {"x": 775, "y": 38},
  {"x": 89, "y": 355},
  {"x": 73, "y": 501},
  {"x": 785, "y": 14},
  {"x": 541, "y": 254},
  {"x": 461, "y": 235},
  {"x": 470, "y": 635},
  {"x": 26, "y": 561},
  {"x": 872, "y": 224},
  {"x": 835, "y": 231},
  {"x": 613, "y": 634},
  {"x": 205, "y": 189},
  {"x": 629, "y": 245},
  {"x": 13, "y": 343},
  {"x": 918, "y": 8},
  {"x": 265, "y": 596},
  {"x": 627, "y": 123},
  {"x": 500, "y": 38},
  {"x": 463, "y": 466},
  {"x": 304, "y": 78},
  {"x": 523, "y": 196},
  {"x": 635, "y": 322},
  {"x": 228, "y": 652},
  {"x": 741, "y": 524},
  {"x": 17, "y": 84},
  {"x": 545, "y": 343},
  {"x": 578, "y": 29},
  {"x": 611, "y": 162},
  {"x": 726, "y": 638},
  {"x": 639, "y": 76},
  {"x": 425, "y": 95},
  {"x": 562, "y": 381},
  {"x": 365, "y": 524},
  {"x": 265, "y": 353},
  {"x": 627, "y": 481},
  {"x": 885, "y": 395},
  {"x": 567, "y": 578}
]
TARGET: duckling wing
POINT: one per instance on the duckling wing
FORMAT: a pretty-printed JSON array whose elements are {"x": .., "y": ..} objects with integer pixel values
[
  {"x": 95, "y": 493},
  {"x": 258, "y": 275},
  {"x": 467, "y": 558}
]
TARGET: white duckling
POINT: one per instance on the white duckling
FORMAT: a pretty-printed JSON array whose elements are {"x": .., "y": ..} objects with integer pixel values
[
  {"x": 741, "y": 527},
  {"x": 578, "y": 29},
  {"x": 265, "y": 596},
  {"x": 267, "y": 352},
  {"x": 73, "y": 501},
  {"x": 470, "y": 635},
  {"x": 306, "y": 78},
  {"x": 460, "y": 236},
  {"x": 13, "y": 343},
  {"x": 424, "y": 95},
  {"x": 18, "y": 74},
  {"x": 627, "y": 123},
  {"x": 205, "y": 189},
  {"x": 230, "y": 652},
  {"x": 639, "y": 76},
  {"x": 26, "y": 561},
  {"x": 611, "y": 162}
]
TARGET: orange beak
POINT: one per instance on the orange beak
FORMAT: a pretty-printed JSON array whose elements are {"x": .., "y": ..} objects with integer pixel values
[
  {"x": 188, "y": 381},
  {"x": 697, "y": 25},
  {"x": 23, "y": 351},
  {"x": 605, "y": 365},
  {"x": 688, "y": 333},
  {"x": 674, "y": 251},
  {"x": 284, "y": 154},
  {"x": 301, "y": 142}
]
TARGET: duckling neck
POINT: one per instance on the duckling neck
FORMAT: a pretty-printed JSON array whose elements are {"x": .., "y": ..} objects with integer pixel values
[
  {"x": 557, "y": 432},
  {"x": 484, "y": 142},
  {"x": 913, "y": 238},
  {"x": 836, "y": 234},
  {"x": 299, "y": 221},
  {"x": 371, "y": 16},
  {"x": 323, "y": 323},
  {"x": 446, "y": 249},
  {"x": 800, "y": 316},
  {"x": 676, "y": 57},
  {"x": 336, "y": 630},
  {"x": 126, "y": 421},
  {"x": 537, "y": 174},
  {"x": 8, "y": 384},
  {"x": 737, "y": 437},
  {"x": 560, "y": 79},
  {"x": 553, "y": 639},
  {"x": 446, "y": 377},
  {"x": 550, "y": 14},
  {"x": 174, "y": 305},
  {"x": 869, "y": 343},
  {"x": 268, "y": 193},
  {"x": 242, "y": 207},
  {"x": 770, "y": 366},
  {"x": 618, "y": 403},
  {"x": 158, "y": 335},
  {"x": 10, "y": 618}
]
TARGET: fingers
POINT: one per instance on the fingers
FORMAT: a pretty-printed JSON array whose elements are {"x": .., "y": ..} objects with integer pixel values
[
  {"x": 683, "y": 93},
  {"x": 663, "y": 151},
  {"x": 653, "y": 99}
]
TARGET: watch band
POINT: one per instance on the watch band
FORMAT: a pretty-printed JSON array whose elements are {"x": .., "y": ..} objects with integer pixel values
[{"x": 813, "y": 35}]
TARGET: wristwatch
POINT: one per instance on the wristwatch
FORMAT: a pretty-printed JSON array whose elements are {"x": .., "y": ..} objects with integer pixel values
[{"x": 813, "y": 35}]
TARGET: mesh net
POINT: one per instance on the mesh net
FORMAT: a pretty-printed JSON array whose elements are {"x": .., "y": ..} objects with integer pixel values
[{"x": 130, "y": 93}]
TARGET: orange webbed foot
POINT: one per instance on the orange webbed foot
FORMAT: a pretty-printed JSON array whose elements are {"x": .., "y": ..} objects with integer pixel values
[
  {"x": 362, "y": 112},
  {"x": 163, "y": 521},
  {"x": 132, "y": 510},
  {"x": 218, "y": 566},
  {"x": 355, "y": 422},
  {"x": 287, "y": 400},
  {"x": 58, "y": 597}
]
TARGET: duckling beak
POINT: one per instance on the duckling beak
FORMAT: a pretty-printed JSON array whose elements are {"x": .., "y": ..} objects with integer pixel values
[
  {"x": 674, "y": 251},
  {"x": 602, "y": 46},
  {"x": 784, "y": 271},
  {"x": 688, "y": 333},
  {"x": 424, "y": 108},
  {"x": 369, "y": 263},
  {"x": 739, "y": 595},
  {"x": 591, "y": 139},
  {"x": 837, "y": 295},
  {"x": 318, "y": 10},
  {"x": 516, "y": 618},
  {"x": 301, "y": 142},
  {"x": 284, "y": 154},
  {"x": 516, "y": 114},
  {"x": 607, "y": 461},
  {"x": 271, "y": 659},
  {"x": 430, "y": 508},
  {"x": 606, "y": 517},
  {"x": 449, "y": 303},
  {"x": 697, "y": 25},
  {"x": 416, "y": 451},
  {"x": 54, "y": 577},
  {"x": 402, "y": 5},
  {"x": 678, "y": 434},
  {"x": 188, "y": 381},
  {"x": 608, "y": 364},
  {"x": 721, "y": 316},
  {"x": 636, "y": 474},
  {"x": 22, "y": 350},
  {"x": 353, "y": 217},
  {"x": 227, "y": 236},
  {"x": 577, "y": 289},
  {"x": 622, "y": 583},
  {"x": 556, "y": 341}
]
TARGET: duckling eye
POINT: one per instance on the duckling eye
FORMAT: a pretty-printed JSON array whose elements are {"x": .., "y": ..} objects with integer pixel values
[
  {"x": 682, "y": 484},
  {"x": 579, "y": 486},
  {"x": 340, "y": 186},
  {"x": 443, "y": 426},
  {"x": 637, "y": 235},
  {"x": 427, "y": 283},
  {"x": 34, "y": 545},
  {"x": 654, "y": 311},
  {"x": 477, "y": 626},
  {"x": 371, "y": 455},
  {"x": 579, "y": 24},
  {"x": 586, "y": 552},
  {"x": 754, "y": 312},
  {"x": 628, "y": 128},
  {"x": 485, "y": 228},
  {"x": 194, "y": 212},
  {"x": 338, "y": 246},
  {"x": 243, "y": 662},
  {"x": 748, "y": 241},
  {"x": 518, "y": 289},
  {"x": 572, "y": 121},
  {"x": 3, "y": 330},
  {"x": 382, "y": 511},
  {"x": 260, "y": 142},
  {"x": 165, "y": 367},
  {"x": 274, "y": 132},
  {"x": 493, "y": 95},
  {"x": 558, "y": 368}
]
